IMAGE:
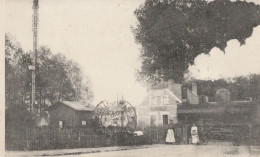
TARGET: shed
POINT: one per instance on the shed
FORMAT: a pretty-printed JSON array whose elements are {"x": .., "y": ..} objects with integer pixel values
[{"x": 65, "y": 114}]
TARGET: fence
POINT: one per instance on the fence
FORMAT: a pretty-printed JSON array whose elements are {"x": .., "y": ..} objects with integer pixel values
[
  {"x": 156, "y": 134},
  {"x": 256, "y": 135},
  {"x": 235, "y": 133},
  {"x": 55, "y": 138},
  {"x": 50, "y": 138},
  {"x": 238, "y": 134}
]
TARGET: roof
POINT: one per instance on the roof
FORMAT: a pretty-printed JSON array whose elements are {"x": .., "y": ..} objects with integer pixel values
[
  {"x": 171, "y": 91},
  {"x": 214, "y": 103},
  {"x": 213, "y": 109},
  {"x": 244, "y": 102},
  {"x": 173, "y": 95},
  {"x": 79, "y": 106},
  {"x": 161, "y": 85}
]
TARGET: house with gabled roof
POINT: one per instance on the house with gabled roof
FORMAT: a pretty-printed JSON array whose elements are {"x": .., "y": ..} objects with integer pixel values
[
  {"x": 65, "y": 114},
  {"x": 160, "y": 105}
]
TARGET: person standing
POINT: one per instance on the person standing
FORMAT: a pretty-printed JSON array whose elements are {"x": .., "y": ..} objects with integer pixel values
[
  {"x": 194, "y": 135},
  {"x": 170, "y": 138}
]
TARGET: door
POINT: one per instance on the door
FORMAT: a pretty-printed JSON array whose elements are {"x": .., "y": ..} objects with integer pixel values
[{"x": 165, "y": 119}]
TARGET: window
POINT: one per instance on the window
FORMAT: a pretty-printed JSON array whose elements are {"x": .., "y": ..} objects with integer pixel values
[
  {"x": 153, "y": 120},
  {"x": 84, "y": 122},
  {"x": 159, "y": 100},
  {"x": 165, "y": 119},
  {"x": 152, "y": 101},
  {"x": 61, "y": 124}
]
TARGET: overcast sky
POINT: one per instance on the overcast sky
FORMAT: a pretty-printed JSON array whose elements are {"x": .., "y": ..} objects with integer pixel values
[
  {"x": 97, "y": 34},
  {"x": 236, "y": 61}
]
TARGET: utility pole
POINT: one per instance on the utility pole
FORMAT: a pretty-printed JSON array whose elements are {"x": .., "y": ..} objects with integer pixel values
[{"x": 34, "y": 61}]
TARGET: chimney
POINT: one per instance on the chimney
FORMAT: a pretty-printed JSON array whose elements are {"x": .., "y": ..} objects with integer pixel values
[
  {"x": 170, "y": 84},
  {"x": 194, "y": 88}
]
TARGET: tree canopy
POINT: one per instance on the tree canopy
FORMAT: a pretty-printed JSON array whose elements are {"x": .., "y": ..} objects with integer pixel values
[
  {"x": 173, "y": 33},
  {"x": 56, "y": 78},
  {"x": 241, "y": 88}
]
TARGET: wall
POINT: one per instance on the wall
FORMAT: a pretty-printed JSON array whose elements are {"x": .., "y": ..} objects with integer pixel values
[
  {"x": 159, "y": 93},
  {"x": 146, "y": 109},
  {"x": 87, "y": 116},
  {"x": 192, "y": 98},
  {"x": 144, "y": 113},
  {"x": 168, "y": 107},
  {"x": 177, "y": 90},
  {"x": 63, "y": 113}
]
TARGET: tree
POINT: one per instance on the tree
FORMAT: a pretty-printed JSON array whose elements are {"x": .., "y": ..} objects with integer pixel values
[
  {"x": 17, "y": 74},
  {"x": 173, "y": 33},
  {"x": 81, "y": 83},
  {"x": 17, "y": 88},
  {"x": 241, "y": 87},
  {"x": 56, "y": 78}
]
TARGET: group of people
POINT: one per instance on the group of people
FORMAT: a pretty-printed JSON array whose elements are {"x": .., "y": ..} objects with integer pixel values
[{"x": 171, "y": 133}]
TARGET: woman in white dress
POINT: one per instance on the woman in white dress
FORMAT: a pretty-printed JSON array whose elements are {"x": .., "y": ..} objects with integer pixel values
[
  {"x": 170, "y": 138},
  {"x": 194, "y": 135}
]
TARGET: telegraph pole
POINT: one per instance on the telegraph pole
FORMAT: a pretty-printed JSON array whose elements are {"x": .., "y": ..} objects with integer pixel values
[{"x": 34, "y": 60}]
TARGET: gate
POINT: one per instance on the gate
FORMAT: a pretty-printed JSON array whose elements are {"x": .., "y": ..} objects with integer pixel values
[
  {"x": 235, "y": 133},
  {"x": 158, "y": 134}
]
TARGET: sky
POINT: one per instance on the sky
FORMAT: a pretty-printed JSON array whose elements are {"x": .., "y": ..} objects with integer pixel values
[
  {"x": 237, "y": 60},
  {"x": 97, "y": 34}
]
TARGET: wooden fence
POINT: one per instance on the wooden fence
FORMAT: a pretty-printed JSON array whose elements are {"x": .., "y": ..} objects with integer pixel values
[
  {"x": 242, "y": 133},
  {"x": 156, "y": 134},
  {"x": 49, "y": 138},
  {"x": 256, "y": 135},
  {"x": 55, "y": 138}
]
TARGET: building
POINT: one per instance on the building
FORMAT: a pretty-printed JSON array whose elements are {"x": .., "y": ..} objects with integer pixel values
[
  {"x": 221, "y": 118},
  {"x": 160, "y": 105},
  {"x": 65, "y": 114}
]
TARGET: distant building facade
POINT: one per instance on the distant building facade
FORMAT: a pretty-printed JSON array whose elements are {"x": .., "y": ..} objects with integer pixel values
[
  {"x": 160, "y": 105},
  {"x": 68, "y": 114}
]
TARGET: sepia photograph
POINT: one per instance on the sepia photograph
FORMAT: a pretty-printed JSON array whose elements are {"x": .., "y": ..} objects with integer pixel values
[{"x": 131, "y": 78}]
